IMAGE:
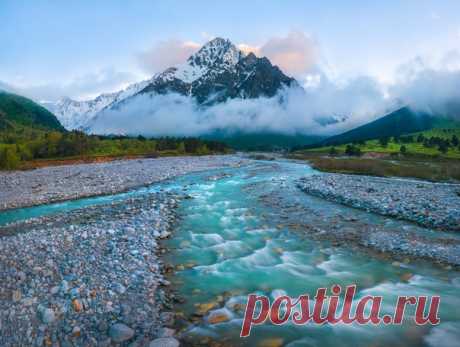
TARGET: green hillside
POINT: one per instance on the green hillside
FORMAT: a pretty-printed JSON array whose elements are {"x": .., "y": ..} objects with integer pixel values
[
  {"x": 441, "y": 142},
  {"x": 400, "y": 122},
  {"x": 18, "y": 111},
  {"x": 431, "y": 155}
]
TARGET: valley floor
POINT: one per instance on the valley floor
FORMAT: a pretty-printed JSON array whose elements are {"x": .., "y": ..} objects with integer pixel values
[{"x": 95, "y": 275}]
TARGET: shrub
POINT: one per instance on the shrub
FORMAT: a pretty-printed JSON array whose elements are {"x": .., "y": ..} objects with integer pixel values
[
  {"x": 9, "y": 159},
  {"x": 352, "y": 150},
  {"x": 333, "y": 151},
  {"x": 384, "y": 141},
  {"x": 443, "y": 147},
  {"x": 454, "y": 140}
]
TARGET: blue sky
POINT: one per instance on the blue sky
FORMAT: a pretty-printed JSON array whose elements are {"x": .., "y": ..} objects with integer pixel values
[{"x": 82, "y": 48}]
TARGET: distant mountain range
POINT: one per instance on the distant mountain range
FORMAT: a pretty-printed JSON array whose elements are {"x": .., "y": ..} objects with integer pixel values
[
  {"x": 75, "y": 114},
  {"x": 217, "y": 72}
]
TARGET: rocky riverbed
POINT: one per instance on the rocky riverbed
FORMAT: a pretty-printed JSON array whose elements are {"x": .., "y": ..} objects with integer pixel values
[
  {"x": 51, "y": 184},
  {"x": 91, "y": 277},
  {"x": 432, "y": 205}
]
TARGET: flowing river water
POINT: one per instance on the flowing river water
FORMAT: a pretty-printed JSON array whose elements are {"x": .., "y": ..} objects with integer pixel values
[{"x": 241, "y": 232}]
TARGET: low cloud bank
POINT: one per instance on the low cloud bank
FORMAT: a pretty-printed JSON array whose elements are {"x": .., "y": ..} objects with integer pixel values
[
  {"x": 321, "y": 108},
  {"x": 433, "y": 91}
]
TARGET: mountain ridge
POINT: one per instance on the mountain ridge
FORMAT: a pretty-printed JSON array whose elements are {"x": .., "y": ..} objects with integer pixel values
[
  {"x": 74, "y": 114},
  {"x": 218, "y": 71},
  {"x": 402, "y": 121}
]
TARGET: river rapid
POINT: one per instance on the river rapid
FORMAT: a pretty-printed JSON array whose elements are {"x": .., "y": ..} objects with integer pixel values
[{"x": 242, "y": 232}]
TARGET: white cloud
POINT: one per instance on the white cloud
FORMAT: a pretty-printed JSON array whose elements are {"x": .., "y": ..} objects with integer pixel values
[
  {"x": 165, "y": 54},
  {"x": 299, "y": 112},
  {"x": 295, "y": 54},
  {"x": 80, "y": 87},
  {"x": 432, "y": 88}
]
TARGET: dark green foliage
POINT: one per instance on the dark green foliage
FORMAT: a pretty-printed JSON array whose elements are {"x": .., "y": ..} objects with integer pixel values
[
  {"x": 9, "y": 158},
  {"x": 262, "y": 141},
  {"x": 359, "y": 143},
  {"x": 454, "y": 140},
  {"x": 403, "y": 149},
  {"x": 352, "y": 150},
  {"x": 384, "y": 141},
  {"x": 443, "y": 147},
  {"x": 406, "y": 139},
  {"x": 18, "y": 110},
  {"x": 26, "y": 144},
  {"x": 333, "y": 151},
  {"x": 436, "y": 141}
]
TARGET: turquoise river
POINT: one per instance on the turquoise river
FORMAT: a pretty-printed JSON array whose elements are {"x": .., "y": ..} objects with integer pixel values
[{"x": 241, "y": 233}]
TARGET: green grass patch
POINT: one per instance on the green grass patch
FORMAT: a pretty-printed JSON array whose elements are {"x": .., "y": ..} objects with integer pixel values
[
  {"x": 429, "y": 168},
  {"x": 412, "y": 149}
]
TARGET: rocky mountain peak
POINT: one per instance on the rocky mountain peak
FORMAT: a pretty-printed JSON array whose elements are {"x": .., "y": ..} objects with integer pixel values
[{"x": 219, "y": 71}]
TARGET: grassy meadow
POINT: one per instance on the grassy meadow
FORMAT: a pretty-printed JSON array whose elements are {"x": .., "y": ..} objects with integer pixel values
[{"x": 431, "y": 155}]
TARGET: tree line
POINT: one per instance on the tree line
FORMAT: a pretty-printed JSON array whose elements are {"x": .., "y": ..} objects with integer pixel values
[
  {"x": 18, "y": 147},
  {"x": 441, "y": 143}
]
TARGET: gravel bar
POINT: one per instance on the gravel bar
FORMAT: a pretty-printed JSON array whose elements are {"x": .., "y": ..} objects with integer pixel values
[
  {"x": 432, "y": 205},
  {"x": 90, "y": 277},
  {"x": 59, "y": 183}
]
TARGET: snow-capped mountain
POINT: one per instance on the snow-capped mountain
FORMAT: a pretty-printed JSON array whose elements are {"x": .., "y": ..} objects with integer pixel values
[
  {"x": 75, "y": 114},
  {"x": 219, "y": 71}
]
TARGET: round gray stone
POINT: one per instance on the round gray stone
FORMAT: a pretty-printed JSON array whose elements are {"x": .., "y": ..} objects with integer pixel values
[
  {"x": 164, "y": 342},
  {"x": 120, "y": 332}
]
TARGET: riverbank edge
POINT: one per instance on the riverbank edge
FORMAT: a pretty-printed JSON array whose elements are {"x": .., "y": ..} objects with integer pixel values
[
  {"x": 229, "y": 160},
  {"x": 364, "y": 186},
  {"x": 24, "y": 277}
]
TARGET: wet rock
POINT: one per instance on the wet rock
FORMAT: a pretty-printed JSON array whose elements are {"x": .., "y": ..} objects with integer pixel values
[
  {"x": 77, "y": 305},
  {"x": 406, "y": 277},
  {"x": 202, "y": 309},
  {"x": 120, "y": 332},
  {"x": 76, "y": 331},
  {"x": 166, "y": 332},
  {"x": 219, "y": 316},
  {"x": 17, "y": 295},
  {"x": 48, "y": 316},
  {"x": 164, "y": 342},
  {"x": 275, "y": 342}
]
